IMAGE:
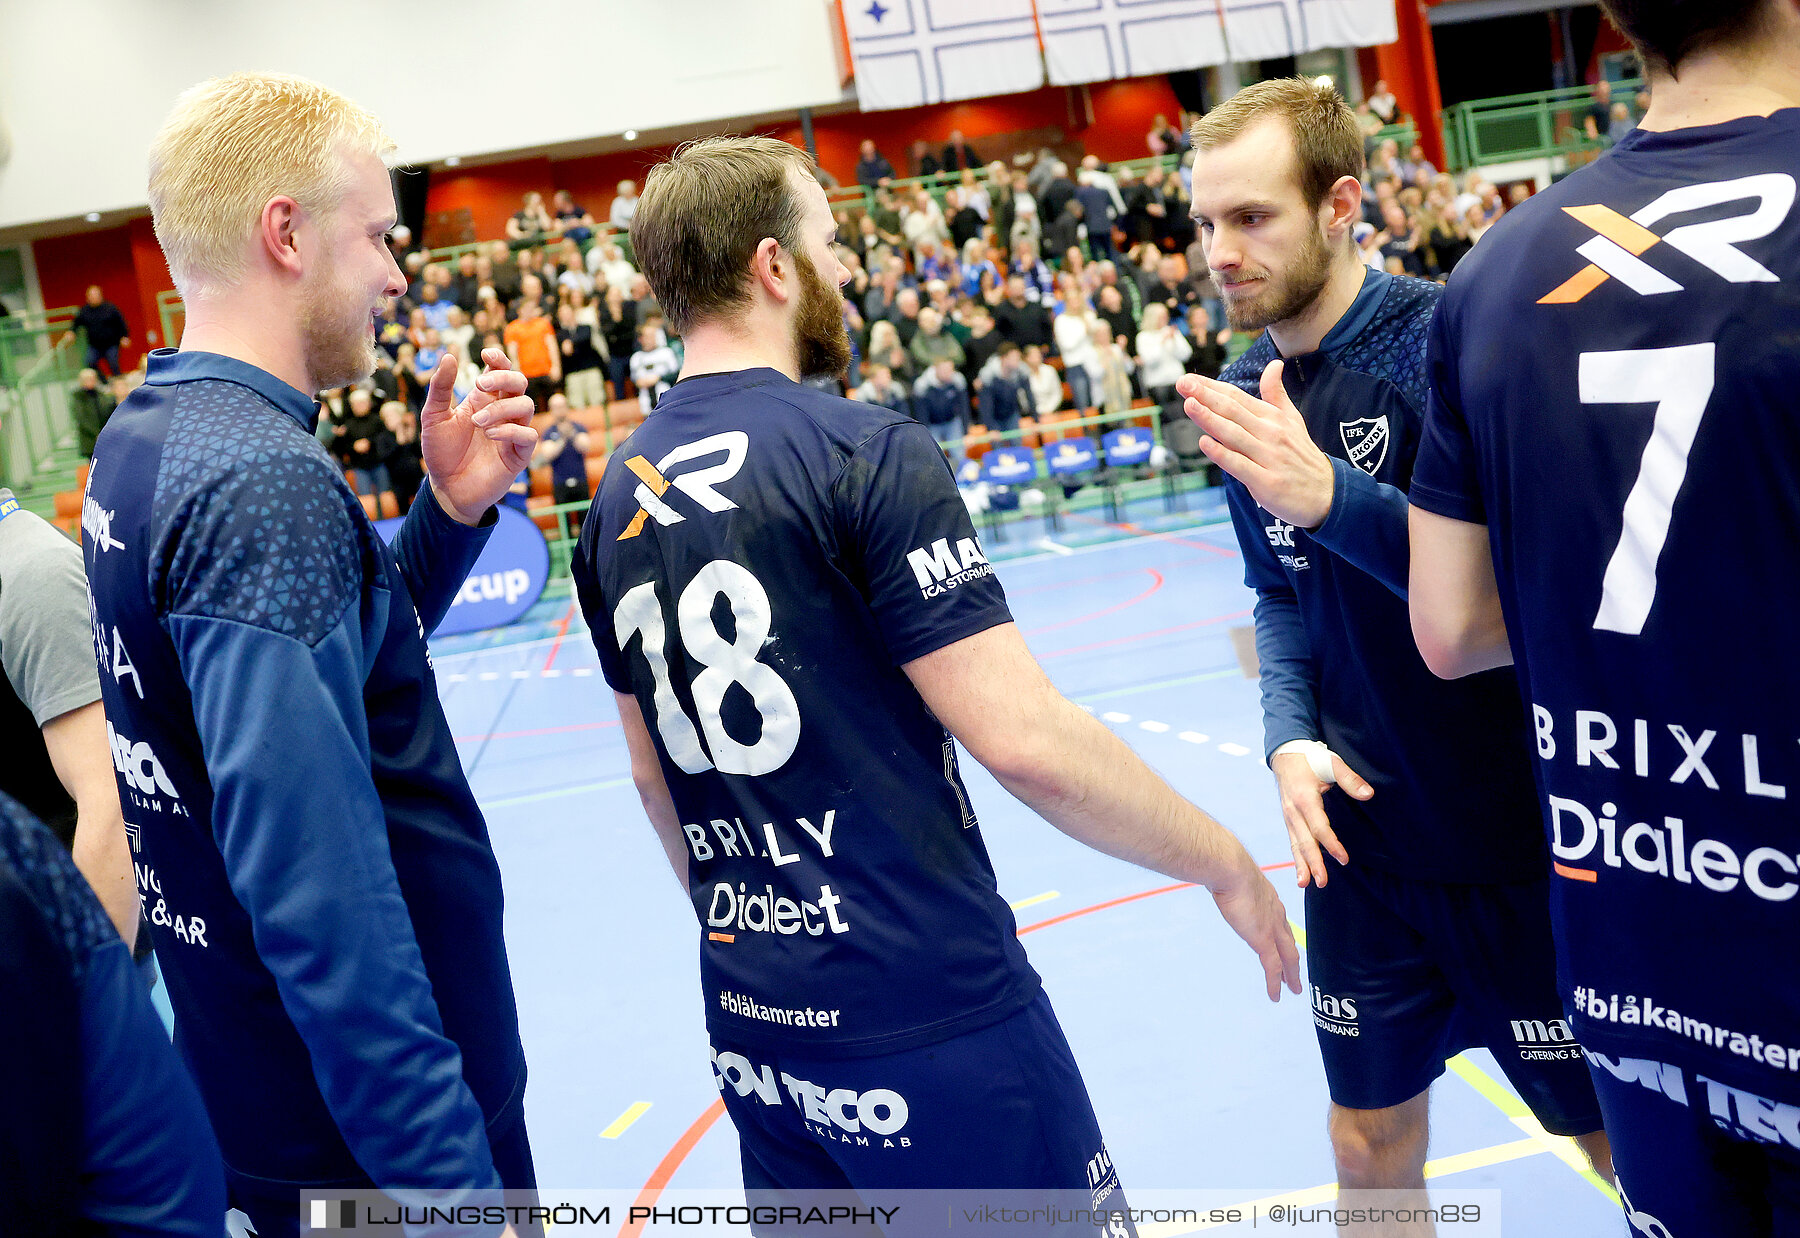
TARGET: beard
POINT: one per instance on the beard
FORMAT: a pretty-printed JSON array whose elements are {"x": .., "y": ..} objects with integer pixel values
[
  {"x": 339, "y": 347},
  {"x": 821, "y": 345},
  {"x": 1283, "y": 296}
]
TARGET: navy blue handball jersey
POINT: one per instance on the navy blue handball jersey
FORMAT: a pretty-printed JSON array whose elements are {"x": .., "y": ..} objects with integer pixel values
[
  {"x": 1616, "y": 395},
  {"x": 762, "y": 560}
]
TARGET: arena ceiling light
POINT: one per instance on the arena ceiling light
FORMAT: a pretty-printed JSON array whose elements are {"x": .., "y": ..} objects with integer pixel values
[
  {"x": 631, "y": 135},
  {"x": 93, "y": 217},
  {"x": 453, "y": 161}
]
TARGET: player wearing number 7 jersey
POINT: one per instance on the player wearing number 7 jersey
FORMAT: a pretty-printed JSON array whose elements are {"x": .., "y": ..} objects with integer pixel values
[
  {"x": 793, "y": 609},
  {"x": 1611, "y": 475}
]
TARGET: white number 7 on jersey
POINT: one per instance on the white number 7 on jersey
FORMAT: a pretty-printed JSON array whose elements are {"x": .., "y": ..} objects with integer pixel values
[{"x": 1679, "y": 381}]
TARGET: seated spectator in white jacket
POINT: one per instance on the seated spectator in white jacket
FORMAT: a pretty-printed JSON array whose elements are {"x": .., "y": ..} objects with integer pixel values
[
  {"x": 653, "y": 366},
  {"x": 1162, "y": 354},
  {"x": 1046, "y": 381},
  {"x": 1074, "y": 329}
]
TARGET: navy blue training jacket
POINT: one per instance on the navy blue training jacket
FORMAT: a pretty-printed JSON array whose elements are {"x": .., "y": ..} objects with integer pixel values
[{"x": 317, "y": 877}]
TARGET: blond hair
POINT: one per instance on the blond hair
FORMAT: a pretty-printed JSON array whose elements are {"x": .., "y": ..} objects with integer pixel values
[
  {"x": 1327, "y": 144},
  {"x": 233, "y": 143},
  {"x": 702, "y": 215}
]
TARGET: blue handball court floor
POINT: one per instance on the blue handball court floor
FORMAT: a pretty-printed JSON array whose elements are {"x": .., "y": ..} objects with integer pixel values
[{"x": 1200, "y": 1082}]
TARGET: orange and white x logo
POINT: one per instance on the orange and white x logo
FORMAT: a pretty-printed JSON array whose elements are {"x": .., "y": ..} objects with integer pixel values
[{"x": 1615, "y": 252}]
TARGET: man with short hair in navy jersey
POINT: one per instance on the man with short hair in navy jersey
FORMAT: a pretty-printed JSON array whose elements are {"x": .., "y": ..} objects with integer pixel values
[
  {"x": 317, "y": 877},
  {"x": 1408, "y": 801},
  {"x": 1620, "y": 520},
  {"x": 796, "y": 617}
]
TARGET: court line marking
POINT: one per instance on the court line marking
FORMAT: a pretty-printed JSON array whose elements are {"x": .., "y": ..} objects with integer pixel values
[
  {"x": 1461, "y": 1162},
  {"x": 1035, "y": 899},
  {"x": 1156, "y": 582},
  {"x": 562, "y": 630},
  {"x": 539, "y": 796},
  {"x": 538, "y": 730},
  {"x": 623, "y": 1122},
  {"x": 1517, "y": 1111},
  {"x": 1126, "y": 640}
]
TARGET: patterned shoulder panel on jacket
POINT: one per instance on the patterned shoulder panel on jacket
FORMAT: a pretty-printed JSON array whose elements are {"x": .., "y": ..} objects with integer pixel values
[
  {"x": 1246, "y": 372},
  {"x": 1393, "y": 345},
  {"x": 252, "y": 520},
  {"x": 62, "y": 894}
]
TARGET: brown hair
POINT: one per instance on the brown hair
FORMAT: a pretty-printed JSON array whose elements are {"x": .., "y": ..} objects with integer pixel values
[
  {"x": 702, "y": 215},
  {"x": 1666, "y": 32},
  {"x": 1327, "y": 143}
]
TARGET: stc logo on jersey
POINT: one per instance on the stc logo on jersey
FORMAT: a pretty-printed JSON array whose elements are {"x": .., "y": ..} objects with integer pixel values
[
  {"x": 654, "y": 481},
  {"x": 1616, "y": 251}
]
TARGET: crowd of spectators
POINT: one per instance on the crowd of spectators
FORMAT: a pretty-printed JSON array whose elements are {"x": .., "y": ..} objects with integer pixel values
[{"x": 1005, "y": 289}]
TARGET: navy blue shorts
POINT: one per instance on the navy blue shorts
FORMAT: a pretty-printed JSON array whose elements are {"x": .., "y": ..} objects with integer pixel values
[
  {"x": 1405, "y": 974},
  {"x": 1696, "y": 1159},
  {"x": 1002, "y": 1107}
]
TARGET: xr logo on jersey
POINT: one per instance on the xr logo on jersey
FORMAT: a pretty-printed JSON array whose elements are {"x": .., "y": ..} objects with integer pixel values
[
  {"x": 1616, "y": 251},
  {"x": 654, "y": 482}
]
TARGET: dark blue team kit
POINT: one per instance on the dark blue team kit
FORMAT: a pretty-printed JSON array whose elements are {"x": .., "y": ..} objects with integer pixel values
[
  {"x": 762, "y": 561},
  {"x": 1614, "y": 387}
]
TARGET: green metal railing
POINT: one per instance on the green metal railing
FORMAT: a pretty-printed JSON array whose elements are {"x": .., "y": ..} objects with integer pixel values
[
  {"x": 40, "y": 356},
  {"x": 1541, "y": 125}
]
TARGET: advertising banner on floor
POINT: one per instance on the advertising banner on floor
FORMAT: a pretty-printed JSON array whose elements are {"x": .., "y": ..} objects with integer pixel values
[{"x": 507, "y": 579}]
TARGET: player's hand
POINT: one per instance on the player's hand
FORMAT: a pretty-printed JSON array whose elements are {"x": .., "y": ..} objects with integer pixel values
[
  {"x": 1264, "y": 444},
  {"x": 1303, "y": 808},
  {"x": 1255, "y": 913},
  {"x": 475, "y": 449}
]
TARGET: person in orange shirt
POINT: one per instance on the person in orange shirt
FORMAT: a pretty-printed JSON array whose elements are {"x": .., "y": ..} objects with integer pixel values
[{"x": 531, "y": 343}]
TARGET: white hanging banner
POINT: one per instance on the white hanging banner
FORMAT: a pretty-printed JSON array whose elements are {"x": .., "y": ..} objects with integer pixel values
[
  {"x": 1348, "y": 23},
  {"x": 1102, "y": 40},
  {"x": 913, "y": 52},
  {"x": 1263, "y": 29},
  {"x": 1270, "y": 29}
]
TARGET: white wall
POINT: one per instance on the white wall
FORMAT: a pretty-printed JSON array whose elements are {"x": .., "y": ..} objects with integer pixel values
[{"x": 84, "y": 84}]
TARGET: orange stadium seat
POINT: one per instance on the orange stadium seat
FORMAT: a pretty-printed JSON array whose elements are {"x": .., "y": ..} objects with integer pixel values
[{"x": 68, "y": 503}]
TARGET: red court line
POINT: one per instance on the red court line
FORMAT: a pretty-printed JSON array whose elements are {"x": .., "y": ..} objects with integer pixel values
[
  {"x": 665, "y": 1169},
  {"x": 1090, "y": 580},
  {"x": 659, "y": 1177},
  {"x": 540, "y": 730},
  {"x": 1141, "y": 531},
  {"x": 1156, "y": 583},
  {"x": 1126, "y": 640},
  {"x": 562, "y": 630}
]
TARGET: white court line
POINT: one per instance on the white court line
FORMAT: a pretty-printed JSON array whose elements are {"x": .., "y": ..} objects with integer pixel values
[
  {"x": 1054, "y": 547},
  {"x": 559, "y": 792}
]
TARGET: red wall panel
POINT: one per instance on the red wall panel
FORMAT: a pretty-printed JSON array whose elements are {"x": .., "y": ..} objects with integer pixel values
[
  {"x": 1122, "y": 113},
  {"x": 66, "y": 265}
]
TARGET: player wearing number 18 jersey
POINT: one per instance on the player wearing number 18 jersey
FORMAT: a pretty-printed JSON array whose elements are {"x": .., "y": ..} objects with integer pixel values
[
  {"x": 789, "y": 599},
  {"x": 1612, "y": 465}
]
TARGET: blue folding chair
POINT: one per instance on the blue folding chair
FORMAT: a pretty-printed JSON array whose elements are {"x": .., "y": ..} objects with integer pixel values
[
  {"x": 1128, "y": 453},
  {"x": 1007, "y": 471}
]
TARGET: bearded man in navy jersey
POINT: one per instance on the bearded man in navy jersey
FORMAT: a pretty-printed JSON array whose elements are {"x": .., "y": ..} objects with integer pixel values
[
  {"x": 797, "y": 620},
  {"x": 1619, "y": 519},
  {"x": 1408, "y": 801}
]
